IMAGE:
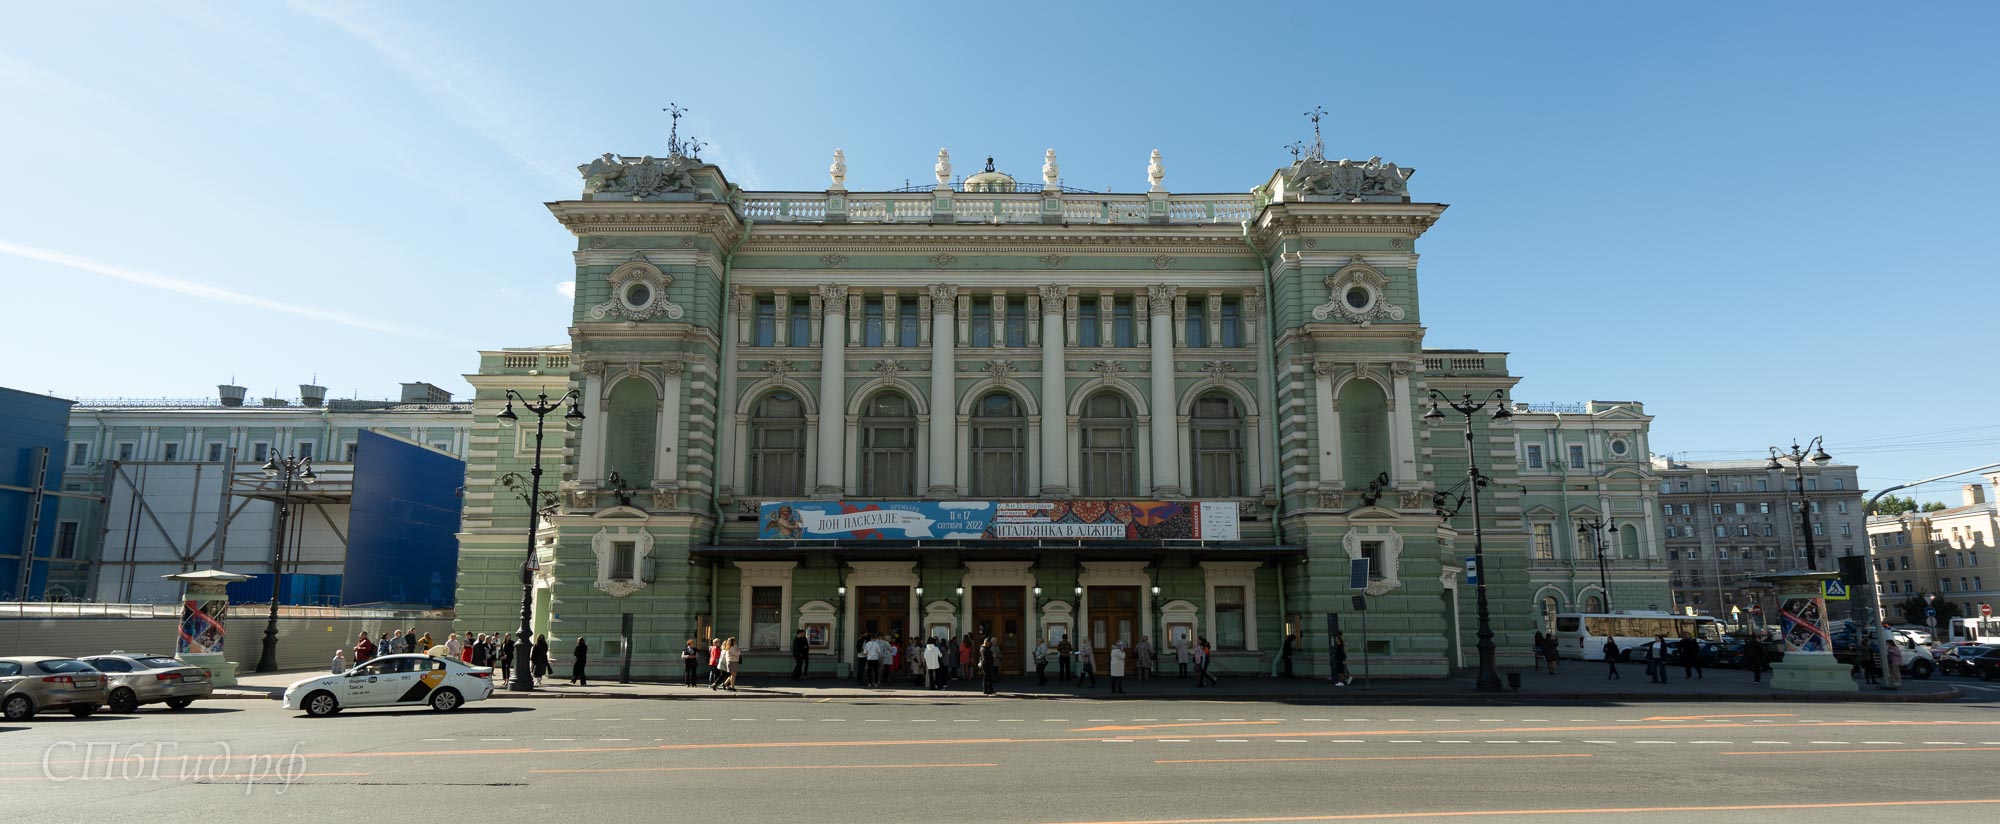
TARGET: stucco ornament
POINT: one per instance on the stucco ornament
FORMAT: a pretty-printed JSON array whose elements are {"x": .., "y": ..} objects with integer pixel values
[
  {"x": 638, "y": 292},
  {"x": 1389, "y": 578},
  {"x": 604, "y": 543},
  {"x": 1371, "y": 180},
  {"x": 1356, "y": 294},
  {"x": 647, "y": 176}
]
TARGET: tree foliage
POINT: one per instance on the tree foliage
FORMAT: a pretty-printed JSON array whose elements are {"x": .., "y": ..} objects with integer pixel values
[
  {"x": 1913, "y": 610},
  {"x": 1935, "y": 506},
  {"x": 1892, "y": 505}
]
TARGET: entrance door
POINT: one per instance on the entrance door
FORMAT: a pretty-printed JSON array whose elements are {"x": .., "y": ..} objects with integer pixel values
[
  {"x": 1114, "y": 617},
  {"x": 883, "y": 611},
  {"x": 997, "y": 612}
]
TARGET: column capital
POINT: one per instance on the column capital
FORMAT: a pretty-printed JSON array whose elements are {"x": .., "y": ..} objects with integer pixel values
[
  {"x": 943, "y": 298},
  {"x": 1161, "y": 297},
  {"x": 834, "y": 298},
  {"x": 1053, "y": 295}
]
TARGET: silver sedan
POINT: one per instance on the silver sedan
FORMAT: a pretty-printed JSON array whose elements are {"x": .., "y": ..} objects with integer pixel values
[
  {"x": 138, "y": 678},
  {"x": 49, "y": 683}
]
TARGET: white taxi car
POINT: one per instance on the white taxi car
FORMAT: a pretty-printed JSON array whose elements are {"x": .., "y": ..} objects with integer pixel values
[{"x": 393, "y": 681}]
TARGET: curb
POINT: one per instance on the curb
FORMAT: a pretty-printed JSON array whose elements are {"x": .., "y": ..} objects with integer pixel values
[{"x": 1356, "y": 697}]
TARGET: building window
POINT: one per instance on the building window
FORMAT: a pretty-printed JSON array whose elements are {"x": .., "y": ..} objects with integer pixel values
[
  {"x": 1840, "y": 483},
  {"x": 1229, "y": 616},
  {"x": 1741, "y": 508},
  {"x": 624, "y": 560},
  {"x": 1812, "y": 484},
  {"x": 303, "y": 450},
  {"x": 1086, "y": 324},
  {"x": 1846, "y": 530},
  {"x": 1217, "y": 435},
  {"x": 765, "y": 330},
  {"x": 1576, "y": 456},
  {"x": 1232, "y": 323},
  {"x": 1815, "y": 507},
  {"x": 1372, "y": 551},
  {"x": 1684, "y": 486},
  {"x": 1944, "y": 584},
  {"x": 1818, "y": 530},
  {"x": 79, "y": 454},
  {"x": 215, "y": 452},
  {"x": 1722, "y": 554},
  {"x": 1545, "y": 542},
  {"x": 1535, "y": 462},
  {"x": 1721, "y": 531},
  {"x": 999, "y": 448},
  {"x": 1764, "y": 508},
  {"x": 1895, "y": 589},
  {"x": 66, "y": 532},
  {"x": 872, "y": 322},
  {"x": 1768, "y": 532},
  {"x": 631, "y": 431},
  {"x": 260, "y": 451},
  {"x": 1977, "y": 584},
  {"x": 982, "y": 324},
  {"x": 1906, "y": 563},
  {"x": 906, "y": 323},
  {"x": 352, "y": 450},
  {"x": 1107, "y": 446},
  {"x": 1197, "y": 322},
  {"x": 778, "y": 446},
  {"x": 1687, "y": 509},
  {"x": 126, "y": 451},
  {"x": 1743, "y": 531},
  {"x": 798, "y": 324},
  {"x": 1715, "y": 486},
  {"x": 888, "y": 447},
  {"x": 1736, "y": 486},
  {"x": 170, "y": 452},
  {"x": 1667, "y": 488},
  {"x": 1715, "y": 509},
  {"x": 1017, "y": 323},
  {"x": 766, "y": 616},
  {"x": 1840, "y": 507},
  {"x": 1121, "y": 322}
]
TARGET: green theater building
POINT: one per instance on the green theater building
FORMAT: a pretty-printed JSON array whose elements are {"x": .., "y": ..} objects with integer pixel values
[{"x": 1018, "y": 410}]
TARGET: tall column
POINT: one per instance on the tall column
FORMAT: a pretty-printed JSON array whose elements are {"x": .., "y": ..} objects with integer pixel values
[
  {"x": 1402, "y": 434},
  {"x": 832, "y": 389},
  {"x": 1165, "y": 428},
  {"x": 1055, "y": 393},
  {"x": 1326, "y": 410},
  {"x": 590, "y": 464},
  {"x": 666, "y": 462},
  {"x": 944, "y": 394}
]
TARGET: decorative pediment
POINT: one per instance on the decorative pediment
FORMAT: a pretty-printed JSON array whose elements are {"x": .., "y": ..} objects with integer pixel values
[
  {"x": 621, "y": 513},
  {"x": 1540, "y": 511},
  {"x": 1374, "y": 513}
]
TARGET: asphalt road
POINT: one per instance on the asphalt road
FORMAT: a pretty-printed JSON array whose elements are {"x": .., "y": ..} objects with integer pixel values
[{"x": 1013, "y": 761}]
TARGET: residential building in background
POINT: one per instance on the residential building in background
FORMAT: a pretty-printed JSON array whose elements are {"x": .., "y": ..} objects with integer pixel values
[
  {"x": 1728, "y": 521},
  {"x": 177, "y": 485},
  {"x": 1948, "y": 553}
]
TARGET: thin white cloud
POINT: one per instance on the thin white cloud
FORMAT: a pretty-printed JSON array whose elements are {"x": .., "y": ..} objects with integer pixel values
[
  {"x": 475, "y": 94},
  {"x": 204, "y": 291},
  {"x": 567, "y": 289}
]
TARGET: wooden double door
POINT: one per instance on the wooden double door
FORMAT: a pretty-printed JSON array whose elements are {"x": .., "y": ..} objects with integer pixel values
[
  {"x": 883, "y": 611},
  {"x": 1114, "y": 618},
  {"x": 1000, "y": 613}
]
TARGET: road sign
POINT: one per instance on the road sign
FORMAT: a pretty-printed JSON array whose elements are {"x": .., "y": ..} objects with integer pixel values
[
  {"x": 1472, "y": 570},
  {"x": 1690, "y": 610},
  {"x": 1985, "y": 610},
  {"x": 1357, "y": 573},
  {"x": 1930, "y": 612},
  {"x": 1735, "y": 611},
  {"x": 1833, "y": 590},
  {"x": 534, "y": 562}
]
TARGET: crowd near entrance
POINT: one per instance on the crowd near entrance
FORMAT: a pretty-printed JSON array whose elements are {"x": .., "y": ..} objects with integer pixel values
[{"x": 997, "y": 612}]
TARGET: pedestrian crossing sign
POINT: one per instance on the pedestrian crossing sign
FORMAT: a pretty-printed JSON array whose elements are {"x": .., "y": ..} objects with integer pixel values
[{"x": 1833, "y": 590}]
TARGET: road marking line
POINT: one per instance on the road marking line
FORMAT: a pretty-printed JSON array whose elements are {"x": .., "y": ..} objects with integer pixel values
[
  {"x": 742, "y": 719},
  {"x": 1545, "y": 742},
  {"x": 1877, "y": 749},
  {"x": 1136, "y": 720},
  {"x": 1405, "y": 741},
  {"x": 1952, "y": 743},
  {"x": 1571, "y": 811},
  {"x": 1347, "y": 741},
  {"x": 1885, "y": 742},
  {"x": 496, "y": 739},
  {"x": 1709, "y": 717},
  {"x": 770, "y": 767},
  {"x": 1115, "y": 728},
  {"x": 1711, "y": 742},
  {"x": 781, "y": 720},
  {"x": 1770, "y": 742},
  {"x": 1346, "y": 758},
  {"x": 1653, "y": 742},
  {"x": 1308, "y": 719},
  {"x": 1291, "y": 741},
  {"x": 1231, "y": 741},
  {"x": 1396, "y": 719},
  {"x": 1542, "y": 720},
  {"x": 1600, "y": 742},
  {"x": 1503, "y": 742}
]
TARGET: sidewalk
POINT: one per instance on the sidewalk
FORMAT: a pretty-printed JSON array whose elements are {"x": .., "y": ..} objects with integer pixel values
[{"x": 1575, "y": 682}]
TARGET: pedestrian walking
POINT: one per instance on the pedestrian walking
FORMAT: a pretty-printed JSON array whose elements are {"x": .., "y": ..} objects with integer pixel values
[
  {"x": 1341, "y": 677},
  {"x": 582, "y": 655},
  {"x": 1611, "y": 659},
  {"x": 873, "y": 654},
  {"x": 861, "y": 659},
  {"x": 1285, "y": 654},
  {"x": 364, "y": 649},
  {"x": 538, "y": 657},
  {"x": 425, "y": 643},
  {"x": 1065, "y": 652},
  {"x": 1541, "y": 650},
  {"x": 410, "y": 640},
  {"x": 933, "y": 665},
  {"x": 690, "y": 663},
  {"x": 800, "y": 648},
  {"x": 1041, "y": 662},
  {"x": 989, "y": 665},
  {"x": 1894, "y": 667},
  {"x": 1201, "y": 663},
  {"x": 1656, "y": 659},
  {"x": 1118, "y": 667},
  {"x": 1690, "y": 658},
  {"x": 1550, "y": 652},
  {"x": 1086, "y": 662},
  {"x": 732, "y": 661},
  {"x": 965, "y": 656},
  {"x": 714, "y": 661},
  {"x": 507, "y": 657},
  {"x": 1146, "y": 656},
  {"x": 1754, "y": 659},
  {"x": 452, "y": 645},
  {"x": 1181, "y": 654},
  {"x": 914, "y": 658},
  {"x": 339, "y": 661}
]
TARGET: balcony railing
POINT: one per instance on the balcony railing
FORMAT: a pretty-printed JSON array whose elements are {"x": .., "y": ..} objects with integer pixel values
[{"x": 993, "y": 208}]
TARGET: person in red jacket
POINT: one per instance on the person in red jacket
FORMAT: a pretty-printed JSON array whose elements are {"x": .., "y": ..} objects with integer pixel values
[
  {"x": 714, "y": 656},
  {"x": 364, "y": 650}
]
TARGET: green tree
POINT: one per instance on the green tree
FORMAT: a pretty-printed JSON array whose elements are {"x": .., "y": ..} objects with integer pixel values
[
  {"x": 1935, "y": 506},
  {"x": 1913, "y": 610},
  {"x": 1892, "y": 505}
]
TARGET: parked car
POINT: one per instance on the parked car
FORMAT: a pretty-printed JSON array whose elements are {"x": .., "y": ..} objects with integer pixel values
[
  {"x": 1724, "y": 654},
  {"x": 1953, "y": 657},
  {"x": 137, "y": 679},
  {"x": 1917, "y": 634},
  {"x": 1986, "y": 664},
  {"x": 444, "y": 684},
  {"x": 1918, "y": 661},
  {"x": 48, "y": 683}
]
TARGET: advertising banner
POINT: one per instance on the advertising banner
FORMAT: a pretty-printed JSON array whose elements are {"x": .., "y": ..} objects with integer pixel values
[
  {"x": 1801, "y": 621},
  {"x": 997, "y": 520},
  {"x": 201, "y": 626}
]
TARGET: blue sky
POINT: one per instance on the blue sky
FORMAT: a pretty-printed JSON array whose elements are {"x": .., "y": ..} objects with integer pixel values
[{"x": 1763, "y": 222}]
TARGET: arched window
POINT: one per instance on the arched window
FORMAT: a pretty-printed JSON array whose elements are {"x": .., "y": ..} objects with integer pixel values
[
  {"x": 778, "y": 446},
  {"x": 1107, "y": 446},
  {"x": 999, "y": 448},
  {"x": 1549, "y": 609},
  {"x": 1217, "y": 440},
  {"x": 1628, "y": 542},
  {"x": 1594, "y": 603},
  {"x": 1364, "y": 432},
  {"x": 631, "y": 432},
  {"x": 888, "y": 447}
]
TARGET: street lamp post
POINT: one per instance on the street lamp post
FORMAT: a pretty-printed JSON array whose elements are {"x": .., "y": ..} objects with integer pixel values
[
  {"x": 1594, "y": 528},
  {"x": 1798, "y": 459},
  {"x": 541, "y": 406},
  {"x": 1489, "y": 672},
  {"x": 286, "y": 470}
]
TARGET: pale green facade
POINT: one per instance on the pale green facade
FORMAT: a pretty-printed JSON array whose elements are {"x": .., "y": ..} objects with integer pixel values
[{"x": 731, "y": 348}]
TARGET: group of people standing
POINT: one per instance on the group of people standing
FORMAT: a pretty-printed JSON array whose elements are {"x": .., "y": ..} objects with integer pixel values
[
  {"x": 724, "y": 659},
  {"x": 495, "y": 649}
]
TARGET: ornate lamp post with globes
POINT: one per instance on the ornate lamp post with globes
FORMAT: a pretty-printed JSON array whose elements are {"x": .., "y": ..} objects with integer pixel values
[
  {"x": 541, "y": 406},
  {"x": 286, "y": 470},
  {"x": 1489, "y": 672},
  {"x": 1798, "y": 459},
  {"x": 1593, "y": 528}
]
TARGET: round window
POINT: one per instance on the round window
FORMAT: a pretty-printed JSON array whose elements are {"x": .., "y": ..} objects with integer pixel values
[
  {"x": 638, "y": 295},
  {"x": 1359, "y": 297},
  {"x": 1618, "y": 446}
]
